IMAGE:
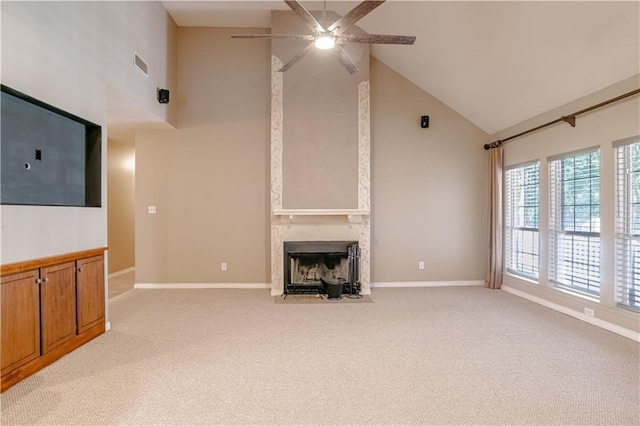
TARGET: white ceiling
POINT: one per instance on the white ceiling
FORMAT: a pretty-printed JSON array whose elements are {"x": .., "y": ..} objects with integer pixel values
[{"x": 495, "y": 63}]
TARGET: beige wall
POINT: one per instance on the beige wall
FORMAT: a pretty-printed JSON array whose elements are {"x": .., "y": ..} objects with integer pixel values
[
  {"x": 210, "y": 178},
  {"x": 320, "y": 126},
  {"x": 600, "y": 127},
  {"x": 121, "y": 209},
  {"x": 67, "y": 54},
  {"x": 429, "y": 186}
]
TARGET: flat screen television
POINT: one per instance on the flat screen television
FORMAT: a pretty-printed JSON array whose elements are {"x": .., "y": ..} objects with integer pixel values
[{"x": 48, "y": 157}]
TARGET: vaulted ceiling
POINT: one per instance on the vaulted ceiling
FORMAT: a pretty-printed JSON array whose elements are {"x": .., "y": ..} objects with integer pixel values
[{"x": 495, "y": 63}]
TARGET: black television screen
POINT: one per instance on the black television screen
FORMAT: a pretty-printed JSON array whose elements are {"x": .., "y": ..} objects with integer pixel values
[{"x": 47, "y": 156}]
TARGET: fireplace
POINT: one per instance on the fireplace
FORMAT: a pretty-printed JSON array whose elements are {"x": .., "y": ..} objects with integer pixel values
[
  {"x": 321, "y": 267},
  {"x": 295, "y": 218}
]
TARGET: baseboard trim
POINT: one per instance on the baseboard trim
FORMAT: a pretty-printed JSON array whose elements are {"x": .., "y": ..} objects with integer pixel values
[
  {"x": 107, "y": 326},
  {"x": 190, "y": 286},
  {"x": 625, "y": 332},
  {"x": 121, "y": 272},
  {"x": 427, "y": 284}
]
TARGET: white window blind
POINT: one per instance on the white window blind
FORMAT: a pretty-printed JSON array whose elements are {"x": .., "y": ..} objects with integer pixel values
[
  {"x": 574, "y": 222},
  {"x": 522, "y": 218},
  {"x": 628, "y": 225}
]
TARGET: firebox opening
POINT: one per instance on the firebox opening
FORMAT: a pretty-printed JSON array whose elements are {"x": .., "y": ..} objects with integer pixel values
[{"x": 311, "y": 267}]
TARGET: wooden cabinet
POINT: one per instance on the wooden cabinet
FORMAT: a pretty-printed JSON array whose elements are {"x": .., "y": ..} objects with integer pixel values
[
  {"x": 20, "y": 305},
  {"x": 90, "y": 281},
  {"x": 58, "y": 305},
  {"x": 49, "y": 307}
]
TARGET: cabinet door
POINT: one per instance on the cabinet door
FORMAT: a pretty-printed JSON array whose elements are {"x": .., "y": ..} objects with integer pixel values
[
  {"x": 58, "y": 305},
  {"x": 20, "y": 305},
  {"x": 90, "y": 292}
]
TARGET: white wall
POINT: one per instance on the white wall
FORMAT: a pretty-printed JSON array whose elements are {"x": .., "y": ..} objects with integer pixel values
[
  {"x": 600, "y": 127},
  {"x": 66, "y": 54}
]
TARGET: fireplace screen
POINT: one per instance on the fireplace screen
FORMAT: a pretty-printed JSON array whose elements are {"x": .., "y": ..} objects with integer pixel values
[{"x": 313, "y": 266}]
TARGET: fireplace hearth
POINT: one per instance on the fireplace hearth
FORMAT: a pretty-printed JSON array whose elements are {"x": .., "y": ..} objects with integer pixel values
[{"x": 321, "y": 267}]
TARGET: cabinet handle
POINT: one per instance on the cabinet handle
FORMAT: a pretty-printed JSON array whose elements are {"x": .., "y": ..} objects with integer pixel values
[
  {"x": 79, "y": 269},
  {"x": 38, "y": 281},
  {"x": 46, "y": 279}
]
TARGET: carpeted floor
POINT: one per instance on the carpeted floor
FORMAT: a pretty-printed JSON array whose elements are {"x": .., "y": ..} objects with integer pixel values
[{"x": 463, "y": 355}]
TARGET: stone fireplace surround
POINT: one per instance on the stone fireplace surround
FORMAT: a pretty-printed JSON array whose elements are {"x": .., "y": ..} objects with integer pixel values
[{"x": 318, "y": 224}]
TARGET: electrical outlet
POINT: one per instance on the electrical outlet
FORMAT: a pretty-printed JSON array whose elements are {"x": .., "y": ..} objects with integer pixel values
[
  {"x": 152, "y": 209},
  {"x": 589, "y": 312},
  {"x": 223, "y": 266},
  {"x": 421, "y": 265}
]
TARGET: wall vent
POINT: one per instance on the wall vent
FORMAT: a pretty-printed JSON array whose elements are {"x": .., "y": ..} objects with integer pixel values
[{"x": 140, "y": 64}]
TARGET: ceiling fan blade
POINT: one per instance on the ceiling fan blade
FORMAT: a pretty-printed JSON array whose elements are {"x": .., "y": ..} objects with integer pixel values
[
  {"x": 296, "y": 58},
  {"x": 345, "y": 60},
  {"x": 375, "y": 39},
  {"x": 273, "y": 36},
  {"x": 353, "y": 16},
  {"x": 304, "y": 14}
]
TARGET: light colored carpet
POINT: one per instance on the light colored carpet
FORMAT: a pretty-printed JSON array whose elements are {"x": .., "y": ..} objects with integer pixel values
[{"x": 463, "y": 355}]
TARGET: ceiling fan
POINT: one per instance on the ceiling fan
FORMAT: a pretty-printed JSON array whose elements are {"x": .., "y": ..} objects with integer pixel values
[{"x": 333, "y": 36}]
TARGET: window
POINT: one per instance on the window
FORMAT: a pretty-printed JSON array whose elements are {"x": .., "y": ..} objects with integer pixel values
[
  {"x": 628, "y": 223},
  {"x": 522, "y": 214},
  {"x": 574, "y": 221}
]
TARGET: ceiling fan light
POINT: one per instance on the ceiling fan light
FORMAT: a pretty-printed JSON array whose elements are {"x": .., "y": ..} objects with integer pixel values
[{"x": 325, "y": 42}]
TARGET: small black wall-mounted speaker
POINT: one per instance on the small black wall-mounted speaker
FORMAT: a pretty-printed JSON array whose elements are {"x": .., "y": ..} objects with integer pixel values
[
  {"x": 424, "y": 121},
  {"x": 163, "y": 96}
]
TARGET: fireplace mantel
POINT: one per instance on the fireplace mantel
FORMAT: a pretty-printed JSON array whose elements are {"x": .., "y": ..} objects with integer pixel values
[
  {"x": 319, "y": 212},
  {"x": 351, "y": 215}
]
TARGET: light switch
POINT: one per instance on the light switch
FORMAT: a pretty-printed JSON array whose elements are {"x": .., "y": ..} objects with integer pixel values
[{"x": 152, "y": 209}]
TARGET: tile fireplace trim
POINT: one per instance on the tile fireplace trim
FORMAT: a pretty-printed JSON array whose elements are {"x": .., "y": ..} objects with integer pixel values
[
  {"x": 354, "y": 217},
  {"x": 364, "y": 183},
  {"x": 277, "y": 112},
  {"x": 364, "y": 146},
  {"x": 277, "y": 248}
]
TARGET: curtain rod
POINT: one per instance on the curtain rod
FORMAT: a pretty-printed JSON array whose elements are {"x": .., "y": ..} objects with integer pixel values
[{"x": 571, "y": 119}]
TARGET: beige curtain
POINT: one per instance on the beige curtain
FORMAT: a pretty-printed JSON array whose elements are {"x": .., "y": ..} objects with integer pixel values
[{"x": 495, "y": 255}]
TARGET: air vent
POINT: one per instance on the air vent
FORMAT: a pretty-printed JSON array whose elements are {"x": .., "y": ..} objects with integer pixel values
[{"x": 140, "y": 64}]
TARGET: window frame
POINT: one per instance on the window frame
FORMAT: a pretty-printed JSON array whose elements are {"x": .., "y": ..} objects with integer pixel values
[
  {"x": 567, "y": 272},
  {"x": 627, "y": 240},
  {"x": 510, "y": 213}
]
